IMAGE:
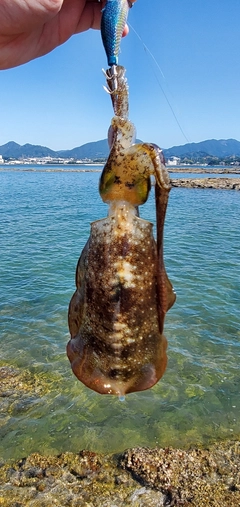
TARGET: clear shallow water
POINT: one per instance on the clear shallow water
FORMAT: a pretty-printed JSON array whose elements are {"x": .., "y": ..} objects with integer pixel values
[{"x": 44, "y": 224}]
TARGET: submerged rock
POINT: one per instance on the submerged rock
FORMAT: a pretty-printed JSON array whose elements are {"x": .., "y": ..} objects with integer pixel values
[
  {"x": 18, "y": 391},
  {"x": 15, "y": 382}
]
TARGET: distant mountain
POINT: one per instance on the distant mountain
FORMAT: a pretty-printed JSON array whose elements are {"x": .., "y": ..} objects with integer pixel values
[
  {"x": 222, "y": 148},
  {"x": 93, "y": 150},
  {"x": 14, "y": 150},
  {"x": 99, "y": 149}
]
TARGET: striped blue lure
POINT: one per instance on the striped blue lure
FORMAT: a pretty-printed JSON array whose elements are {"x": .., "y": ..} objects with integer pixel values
[{"x": 114, "y": 17}]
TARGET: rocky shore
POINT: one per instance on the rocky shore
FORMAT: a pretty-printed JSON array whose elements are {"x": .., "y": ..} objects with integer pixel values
[
  {"x": 216, "y": 183},
  {"x": 138, "y": 477}
]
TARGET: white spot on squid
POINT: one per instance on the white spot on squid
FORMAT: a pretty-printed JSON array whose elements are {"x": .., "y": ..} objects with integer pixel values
[
  {"x": 124, "y": 270},
  {"x": 130, "y": 340}
]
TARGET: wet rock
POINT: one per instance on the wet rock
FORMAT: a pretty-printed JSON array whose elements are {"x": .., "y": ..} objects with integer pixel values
[
  {"x": 196, "y": 477},
  {"x": 141, "y": 477},
  {"x": 145, "y": 496},
  {"x": 216, "y": 183},
  {"x": 69, "y": 479}
]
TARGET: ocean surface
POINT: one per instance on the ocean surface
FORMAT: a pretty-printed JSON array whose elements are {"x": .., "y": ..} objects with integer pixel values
[{"x": 44, "y": 224}]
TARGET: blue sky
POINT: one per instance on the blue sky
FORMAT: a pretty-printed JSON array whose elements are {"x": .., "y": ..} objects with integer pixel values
[{"x": 58, "y": 100}]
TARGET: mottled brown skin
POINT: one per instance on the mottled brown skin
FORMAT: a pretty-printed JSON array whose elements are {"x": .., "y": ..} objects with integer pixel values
[{"x": 116, "y": 315}]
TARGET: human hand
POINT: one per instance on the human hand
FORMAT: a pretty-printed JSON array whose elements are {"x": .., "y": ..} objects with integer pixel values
[{"x": 32, "y": 28}]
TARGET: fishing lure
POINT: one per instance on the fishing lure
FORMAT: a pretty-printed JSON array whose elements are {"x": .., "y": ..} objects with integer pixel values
[
  {"x": 116, "y": 315},
  {"x": 114, "y": 17}
]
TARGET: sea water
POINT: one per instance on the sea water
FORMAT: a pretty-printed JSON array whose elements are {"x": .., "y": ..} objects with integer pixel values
[{"x": 44, "y": 223}]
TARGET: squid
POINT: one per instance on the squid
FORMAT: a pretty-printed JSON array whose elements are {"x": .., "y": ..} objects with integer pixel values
[{"x": 116, "y": 315}]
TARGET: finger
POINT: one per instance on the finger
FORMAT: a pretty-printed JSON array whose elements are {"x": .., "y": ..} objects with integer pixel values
[{"x": 125, "y": 31}]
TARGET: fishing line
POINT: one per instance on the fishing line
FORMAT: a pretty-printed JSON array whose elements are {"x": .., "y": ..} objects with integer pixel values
[{"x": 148, "y": 52}]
